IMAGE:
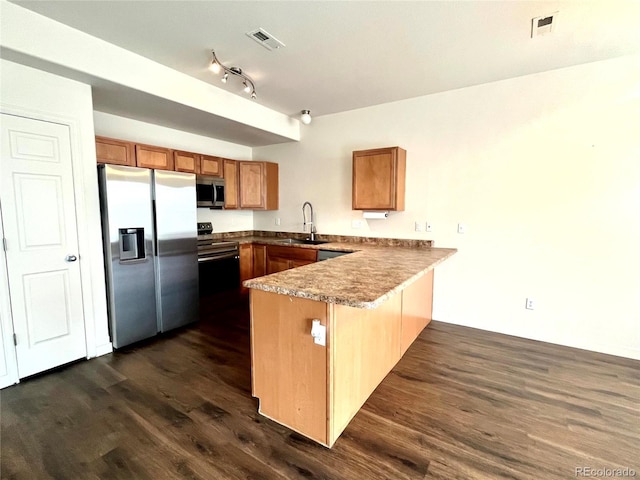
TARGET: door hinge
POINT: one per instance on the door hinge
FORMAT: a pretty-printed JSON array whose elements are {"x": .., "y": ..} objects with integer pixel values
[{"x": 15, "y": 339}]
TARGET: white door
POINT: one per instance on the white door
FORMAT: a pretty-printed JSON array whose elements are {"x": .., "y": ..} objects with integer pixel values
[{"x": 38, "y": 211}]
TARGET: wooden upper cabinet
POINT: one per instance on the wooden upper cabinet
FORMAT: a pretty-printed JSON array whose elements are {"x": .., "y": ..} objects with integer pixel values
[
  {"x": 117, "y": 152},
  {"x": 379, "y": 179},
  {"x": 258, "y": 185},
  {"x": 230, "y": 171},
  {"x": 149, "y": 156},
  {"x": 212, "y": 166},
  {"x": 186, "y": 162}
]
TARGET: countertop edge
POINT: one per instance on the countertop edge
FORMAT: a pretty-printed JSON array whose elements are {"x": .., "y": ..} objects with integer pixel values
[{"x": 255, "y": 283}]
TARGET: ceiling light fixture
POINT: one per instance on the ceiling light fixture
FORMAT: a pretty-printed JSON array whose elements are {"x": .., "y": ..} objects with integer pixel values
[
  {"x": 306, "y": 117},
  {"x": 217, "y": 67}
]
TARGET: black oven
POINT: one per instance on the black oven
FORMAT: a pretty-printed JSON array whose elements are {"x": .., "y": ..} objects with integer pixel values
[{"x": 218, "y": 266}]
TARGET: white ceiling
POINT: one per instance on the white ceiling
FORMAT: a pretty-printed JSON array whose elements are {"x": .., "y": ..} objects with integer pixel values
[{"x": 343, "y": 55}]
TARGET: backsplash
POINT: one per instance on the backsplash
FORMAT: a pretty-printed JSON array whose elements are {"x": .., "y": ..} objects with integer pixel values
[{"x": 387, "y": 242}]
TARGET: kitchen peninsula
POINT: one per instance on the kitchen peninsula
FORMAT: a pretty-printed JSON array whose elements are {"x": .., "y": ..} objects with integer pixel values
[{"x": 373, "y": 304}]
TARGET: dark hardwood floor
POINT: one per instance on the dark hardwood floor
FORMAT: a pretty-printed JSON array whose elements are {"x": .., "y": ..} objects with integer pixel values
[{"x": 461, "y": 404}]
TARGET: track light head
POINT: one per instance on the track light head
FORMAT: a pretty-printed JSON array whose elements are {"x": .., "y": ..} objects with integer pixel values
[{"x": 217, "y": 67}]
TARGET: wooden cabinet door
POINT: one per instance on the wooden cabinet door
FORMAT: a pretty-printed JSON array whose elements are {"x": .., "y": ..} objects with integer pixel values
[
  {"x": 379, "y": 179},
  {"x": 246, "y": 264},
  {"x": 281, "y": 258},
  {"x": 252, "y": 191},
  {"x": 212, "y": 166},
  {"x": 230, "y": 169},
  {"x": 149, "y": 156},
  {"x": 300, "y": 263},
  {"x": 277, "y": 264},
  {"x": 185, "y": 162},
  {"x": 259, "y": 260},
  {"x": 117, "y": 152}
]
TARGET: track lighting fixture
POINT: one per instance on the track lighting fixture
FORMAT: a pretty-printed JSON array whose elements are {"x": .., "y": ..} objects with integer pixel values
[
  {"x": 217, "y": 67},
  {"x": 305, "y": 117}
]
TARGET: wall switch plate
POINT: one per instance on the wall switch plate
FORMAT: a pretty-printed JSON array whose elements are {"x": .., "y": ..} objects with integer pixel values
[
  {"x": 428, "y": 227},
  {"x": 278, "y": 221},
  {"x": 462, "y": 228},
  {"x": 530, "y": 304},
  {"x": 356, "y": 223},
  {"x": 418, "y": 226}
]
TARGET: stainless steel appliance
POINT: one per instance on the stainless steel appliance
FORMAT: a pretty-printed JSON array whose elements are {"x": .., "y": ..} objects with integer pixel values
[
  {"x": 150, "y": 244},
  {"x": 218, "y": 263},
  {"x": 210, "y": 192},
  {"x": 327, "y": 254}
]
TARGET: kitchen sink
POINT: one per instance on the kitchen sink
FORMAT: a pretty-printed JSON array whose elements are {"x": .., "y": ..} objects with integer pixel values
[{"x": 297, "y": 241}]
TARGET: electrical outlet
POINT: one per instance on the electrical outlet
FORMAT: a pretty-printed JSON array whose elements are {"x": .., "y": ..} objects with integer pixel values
[
  {"x": 356, "y": 223},
  {"x": 278, "y": 221},
  {"x": 530, "y": 304},
  {"x": 462, "y": 228},
  {"x": 429, "y": 227},
  {"x": 418, "y": 226}
]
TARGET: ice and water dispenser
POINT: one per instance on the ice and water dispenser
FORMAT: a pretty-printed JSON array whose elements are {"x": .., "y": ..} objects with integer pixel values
[{"x": 131, "y": 242}]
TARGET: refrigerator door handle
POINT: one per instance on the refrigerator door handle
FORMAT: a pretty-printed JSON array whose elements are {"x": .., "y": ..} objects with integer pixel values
[{"x": 155, "y": 227}]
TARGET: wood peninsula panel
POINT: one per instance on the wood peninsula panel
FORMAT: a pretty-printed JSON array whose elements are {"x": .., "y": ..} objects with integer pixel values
[
  {"x": 212, "y": 166},
  {"x": 417, "y": 306},
  {"x": 364, "y": 347},
  {"x": 378, "y": 181},
  {"x": 116, "y": 152},
  {"x": 289, "y": 371},
  {"x": 230, "y": 174},
  {"x": 149, "y": 156},
  {"x": 186, "y": 162}
]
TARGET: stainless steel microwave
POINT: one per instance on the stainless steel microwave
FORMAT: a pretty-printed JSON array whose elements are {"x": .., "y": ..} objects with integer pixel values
[{"x": 210, "y": 192}]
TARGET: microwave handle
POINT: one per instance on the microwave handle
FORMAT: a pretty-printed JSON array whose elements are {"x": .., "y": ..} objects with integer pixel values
[{"x": 215, "y": 194}]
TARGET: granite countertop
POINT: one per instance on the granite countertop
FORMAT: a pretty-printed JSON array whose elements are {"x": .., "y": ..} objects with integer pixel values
[{"x": 365, "y": 278}]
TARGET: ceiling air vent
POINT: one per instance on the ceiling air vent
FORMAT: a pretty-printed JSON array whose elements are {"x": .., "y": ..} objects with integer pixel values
[
  {"x": 265, "y": 39},
  {"x": 543, "y": 25}
]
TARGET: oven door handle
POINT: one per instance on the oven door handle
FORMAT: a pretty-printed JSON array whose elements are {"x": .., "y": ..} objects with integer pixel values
[{"x": 235, "y": 256}]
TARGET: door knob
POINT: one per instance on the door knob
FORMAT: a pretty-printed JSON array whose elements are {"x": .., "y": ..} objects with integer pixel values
[{"x": 70, "y": 258}]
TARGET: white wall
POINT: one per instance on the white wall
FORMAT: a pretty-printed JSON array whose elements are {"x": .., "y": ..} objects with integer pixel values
[
  {"x": 544, "y": 170},
  {"x": 40, "y": 95},
  {"x": 127, "y": 129}
]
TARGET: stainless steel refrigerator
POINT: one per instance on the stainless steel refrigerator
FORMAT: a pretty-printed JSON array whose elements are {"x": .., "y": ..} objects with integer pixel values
[{"x": 150, "y": 244}]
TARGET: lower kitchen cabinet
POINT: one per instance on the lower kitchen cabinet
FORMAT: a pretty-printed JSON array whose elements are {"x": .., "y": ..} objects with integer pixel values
[
  {"x": 280, "y": 258},
  {"x": 252, "y": 262},
  {"x": 259, "y": 260},
  {"x": 246, "y": 264}
]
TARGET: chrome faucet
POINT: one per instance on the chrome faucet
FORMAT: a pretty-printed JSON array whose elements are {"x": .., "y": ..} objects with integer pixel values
[{"x": 312, "y": 235}]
